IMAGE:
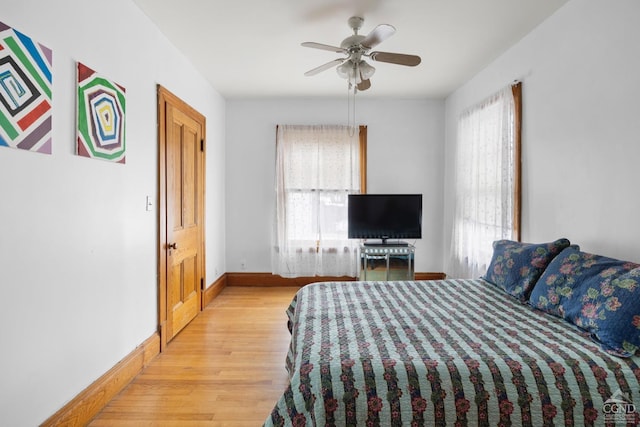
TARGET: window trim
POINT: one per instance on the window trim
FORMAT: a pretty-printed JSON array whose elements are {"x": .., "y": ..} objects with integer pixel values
[
  {"x": 363, "y": 159},
  {"x": 516, "y": 89}
]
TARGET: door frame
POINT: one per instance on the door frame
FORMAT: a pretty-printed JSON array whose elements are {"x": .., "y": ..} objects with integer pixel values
[{"x": 164, "y": 96}]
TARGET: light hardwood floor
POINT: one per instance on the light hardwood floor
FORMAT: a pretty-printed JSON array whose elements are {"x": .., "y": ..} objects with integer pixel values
[{"x": 226, "y": 368}]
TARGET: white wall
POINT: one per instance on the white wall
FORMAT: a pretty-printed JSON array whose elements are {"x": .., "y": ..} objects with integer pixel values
[
  {"x": 78, "y": 258},
  {"x": 581, "y": 129},
  {"x": 405, "y": 154}
]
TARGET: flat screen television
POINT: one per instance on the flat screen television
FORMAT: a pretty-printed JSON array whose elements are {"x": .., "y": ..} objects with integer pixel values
[{"x": 385, "y": 216}]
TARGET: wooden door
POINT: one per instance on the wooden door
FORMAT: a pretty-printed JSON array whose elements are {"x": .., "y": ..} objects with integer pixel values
[{"x": 181, "y": 208}]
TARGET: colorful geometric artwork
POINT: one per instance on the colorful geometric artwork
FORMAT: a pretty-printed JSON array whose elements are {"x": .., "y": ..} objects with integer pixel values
[
  {"x": 25, "y": 92},
  {"x": 101, "y": 116}
]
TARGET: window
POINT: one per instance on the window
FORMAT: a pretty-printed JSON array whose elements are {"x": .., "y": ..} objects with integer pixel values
[
  {"x": 487, "y": 187},
  {"x": 317, "y": 167}
]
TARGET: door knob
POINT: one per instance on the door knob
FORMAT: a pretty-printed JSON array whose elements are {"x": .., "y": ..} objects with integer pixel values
[{"x": 173, "y": 246}]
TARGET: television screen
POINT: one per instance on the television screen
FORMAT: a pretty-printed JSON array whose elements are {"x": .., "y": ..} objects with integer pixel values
[{"x": 385, "y": 216}]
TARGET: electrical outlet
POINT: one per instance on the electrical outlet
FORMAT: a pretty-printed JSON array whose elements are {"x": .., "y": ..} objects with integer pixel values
[{"x": 243, "y": 264}]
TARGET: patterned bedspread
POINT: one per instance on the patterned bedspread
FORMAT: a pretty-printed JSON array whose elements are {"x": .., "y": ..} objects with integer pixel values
[{"x": 452, "y": 352}]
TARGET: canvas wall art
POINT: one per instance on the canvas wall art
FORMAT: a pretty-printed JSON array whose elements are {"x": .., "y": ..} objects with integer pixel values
[
  {"x": 25, "y": 92},
  {"x": 101, "y": 109}
]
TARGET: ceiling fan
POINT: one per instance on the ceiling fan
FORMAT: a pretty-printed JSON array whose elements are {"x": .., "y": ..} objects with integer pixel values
[{"x": 353, "y": 67}]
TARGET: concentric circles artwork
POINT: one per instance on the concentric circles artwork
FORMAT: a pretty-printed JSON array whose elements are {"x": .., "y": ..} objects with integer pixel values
[
  {"x": 101, "y": 116},
  {"x": 25, "y": 92}
]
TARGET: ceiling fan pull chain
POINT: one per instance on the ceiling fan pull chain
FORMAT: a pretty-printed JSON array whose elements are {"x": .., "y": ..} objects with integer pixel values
[{"x": 351, "y": 107}]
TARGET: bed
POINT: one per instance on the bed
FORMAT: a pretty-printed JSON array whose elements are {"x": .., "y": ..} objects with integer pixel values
[{"x": 447, "y": 352}]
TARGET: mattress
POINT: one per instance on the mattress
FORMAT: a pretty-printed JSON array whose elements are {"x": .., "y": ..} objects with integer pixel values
[{"x": 447, "y": 352}]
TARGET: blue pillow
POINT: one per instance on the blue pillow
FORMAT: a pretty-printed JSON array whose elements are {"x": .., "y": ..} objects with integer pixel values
[
  {"x": 598, "y": 294},
  {"x": 515, "y": 266}
]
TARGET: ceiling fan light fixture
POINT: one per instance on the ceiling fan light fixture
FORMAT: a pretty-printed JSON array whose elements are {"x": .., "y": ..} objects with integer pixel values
[
  {"x": 366, "y": 70},
  {"x": 346, "y": 70}
]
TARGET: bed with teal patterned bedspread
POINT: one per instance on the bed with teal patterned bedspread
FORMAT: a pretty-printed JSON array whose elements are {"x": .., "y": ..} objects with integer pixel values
[{"x": 449, "y": 352}]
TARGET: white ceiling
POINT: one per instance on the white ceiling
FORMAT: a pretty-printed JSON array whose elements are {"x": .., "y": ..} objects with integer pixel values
[{"x": 251, "y": 48}]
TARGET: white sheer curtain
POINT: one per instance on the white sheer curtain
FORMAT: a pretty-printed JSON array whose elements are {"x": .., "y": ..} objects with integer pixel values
[
  {"x": 316, "y": 168},
  {"x": 485, "y": 180}
]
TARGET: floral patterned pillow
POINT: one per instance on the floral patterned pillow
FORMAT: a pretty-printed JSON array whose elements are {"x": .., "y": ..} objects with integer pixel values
[
  {"x": 516, "y": 266},
  {"x": 598, "y": 294}
]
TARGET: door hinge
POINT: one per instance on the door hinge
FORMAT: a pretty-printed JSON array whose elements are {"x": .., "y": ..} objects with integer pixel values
[
  {"x": 201, "y": 284},
  {"x": 202, "y": 145}
]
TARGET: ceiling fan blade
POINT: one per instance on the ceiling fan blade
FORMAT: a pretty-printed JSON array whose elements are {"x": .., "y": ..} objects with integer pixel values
[
  {"x": 330, "y": 48},
  {"x": 364, "y": 85},
  {"x": 396, "y": 58},
  {"x": 378, "y": 35},
  {"x": 325, "y": 67}
]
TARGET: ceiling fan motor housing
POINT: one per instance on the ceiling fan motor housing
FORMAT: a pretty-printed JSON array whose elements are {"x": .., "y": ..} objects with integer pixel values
[
  {"x": 352, "y": 44},
  {"x": 353, "y": 47}
]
